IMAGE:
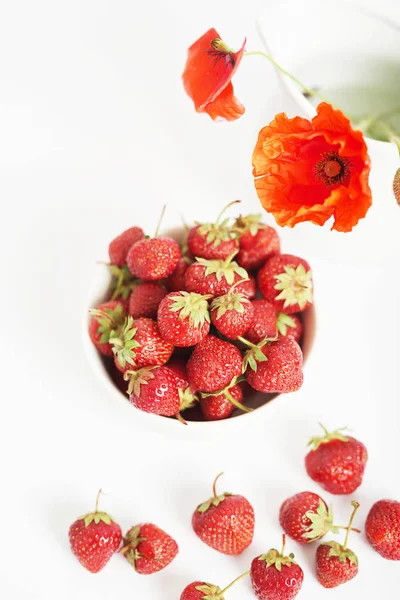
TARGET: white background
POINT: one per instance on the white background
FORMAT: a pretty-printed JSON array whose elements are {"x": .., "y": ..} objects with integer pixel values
[{"x": 96, "y": 134}]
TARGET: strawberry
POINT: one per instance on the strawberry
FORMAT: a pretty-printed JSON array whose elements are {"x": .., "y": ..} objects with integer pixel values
[
  {"x": 199, "y": 590},
  {"x": 286, "y": 281},
  {"x": 104, "y": 319},
  {"x": 335, "y": 563},
  {"x": 247, "y": 287},
  {"x": 213, "y": 364},
  {"x": 120, "y": 246},
  {"x": 183, "y": 318},
  {"x": 213, "y": 240},
  {"x": 218, "y": 406},
  {"x": 145, "y": 299},
  {"x": 383, "y": 528},
  {"x": 337, "y": 462},
  {"x": 176, "y": 281},
  {"x": 154, "y": 258},
  {"x": 275, "y": 367},
  {"x": 275, "y": 576},
  {"x": 148, "y": 548},
  {"x": 94, "y": 538},
  {"x": 232, "y": 314},
  {"x": 264, "y": 322},
  {"x": 187, "y": 398},
  {"x": 215, "y": 277},
  {"x": 305, "y": 517},
  {"x": 138, "y": 343},
  {"x": 289, "y": 325},
  {"x": 225, "y": 522},
  {"x": 257, "y": 242},
  {"x": 154, "y": 390}
]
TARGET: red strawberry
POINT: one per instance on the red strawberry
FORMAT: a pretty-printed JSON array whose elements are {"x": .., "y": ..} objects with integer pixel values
[
  {"x": 264, "y": 322},
  {"x": 275, "y": 576},
  {"x": 183, "y": 318},
  {"x": 225, "y": 522},
  {"x": 148, "y": 548},
  {"x": 286, "y": 281},
  {"x": 138, "y": 343},
  {"x": 232, "y": 314},
  {"x": 337, "y": 462},
  {"x": 94, "y": 538},
  {"x": 335, "y": 563},
  {"x": 145, "y": 299},
  {"x": 187, "y": 398},
  {"x": 257, "y": 241},
  {"x": 213, "y": 240},
  {"x": 120, "y": 246},
  {"x": 154, "y": 390},
  {"x": 305, "y": 517},
  {"x": 247, "y": 287},
  {"x": 215, "y": 277},
  {"x": 383, "y": 528},
  {"x": 176, "y": 281},
  {"x": 213, "y": 364},
  {"x": 154, "y": 258},
  {"x": 276, "y": 367},
  {"x": 105, "y": 318},
  {"x": 217, "y": 407},
  {"x": 199, "y": 590},
  {"x": 289, "y": 325}
]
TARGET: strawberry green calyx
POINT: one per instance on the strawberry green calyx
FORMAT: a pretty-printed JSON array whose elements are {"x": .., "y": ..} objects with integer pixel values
[
  {"x": 130, "y": 544},
  {"x": 191, "y": 306},
  {"x": 187, "y": 398},
  {"x": 251, "y": 223},
  {"x": 276, "y": 559},
  {"x": 225, "y": 391},
  {"x": 108, "y": 320},
  {"x": 334, "y": 435},
  {"x": 138, "y": 378},
  {"x": 97, "y": 516},
  {"x": 284, "y": 321},
  {"x": 215, "y": 500},
  {"x": 342, "y": 552},
  {"x": 295, "y": 286},
  {"x": 254, "y": 354},
  {"x": 223, "y": 268},
  {"x": 321, "y": 522},
  {"x": 219, "y": 231},
  {"x": 123, "y": 343},
  {"x": 212, "y": 592},
  {"x": 231, "y": 301},
  {"x": 123, "y": 283}
]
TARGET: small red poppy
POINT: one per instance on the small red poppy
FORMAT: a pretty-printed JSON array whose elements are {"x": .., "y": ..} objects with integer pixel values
[{"x": 209, "y": 69}]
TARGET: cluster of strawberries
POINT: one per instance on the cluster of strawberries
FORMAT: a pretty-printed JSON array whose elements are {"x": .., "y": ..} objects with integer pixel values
[
  {"x": 226, "y": 523},
  {"x": 206, "y": 323}
]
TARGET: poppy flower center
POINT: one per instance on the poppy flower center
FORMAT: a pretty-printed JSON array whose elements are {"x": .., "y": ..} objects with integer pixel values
[
  {"x": 333, "y": 169},
  {"x": 219, "y": 50}
]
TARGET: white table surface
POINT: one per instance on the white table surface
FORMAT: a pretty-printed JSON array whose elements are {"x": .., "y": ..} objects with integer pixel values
[{"x": 95, "y": 135}]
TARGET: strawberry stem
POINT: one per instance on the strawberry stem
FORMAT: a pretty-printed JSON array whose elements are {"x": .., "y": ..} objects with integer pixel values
[
  {"x": 224, "y": 209},
  {"x": 246, "y": 342},
  {"x": 283, "y": 544},
  {"x": 97, "y": 501},
  {"x": 356, "y": 506},
  {"x": 221, "y": 594},
  {"x": 96, "y": 312},
  {"x": 160, "y": 220},
  {"x": 215, "y": 484},
  {"x": 229, "y": 397},
  {"x": 230, "y": 258},
  {"x": 180, "y": 418}
]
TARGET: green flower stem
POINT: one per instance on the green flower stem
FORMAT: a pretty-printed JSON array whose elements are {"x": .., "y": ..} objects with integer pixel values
[
  {"x": 306, "y": 89},
  {"x": 356, "y": 506},
  {"x": 221, "y": 594},
  {"x": 229, "y": 397}
]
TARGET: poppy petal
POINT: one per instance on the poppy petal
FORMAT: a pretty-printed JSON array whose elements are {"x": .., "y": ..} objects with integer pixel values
[{"x": 225, "y": 106}]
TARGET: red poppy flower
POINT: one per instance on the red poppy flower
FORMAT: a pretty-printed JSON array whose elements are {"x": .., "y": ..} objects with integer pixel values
[
  {"x": 209, "y": 69},
  {"x": 313, "y": 170}
]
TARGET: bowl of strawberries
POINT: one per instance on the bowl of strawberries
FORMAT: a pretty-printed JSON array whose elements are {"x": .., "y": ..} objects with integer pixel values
[{"x": 202, "y": 324}]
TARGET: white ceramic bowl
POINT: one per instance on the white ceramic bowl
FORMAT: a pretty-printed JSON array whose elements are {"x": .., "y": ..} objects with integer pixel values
[{"x": 99, "y": 292}]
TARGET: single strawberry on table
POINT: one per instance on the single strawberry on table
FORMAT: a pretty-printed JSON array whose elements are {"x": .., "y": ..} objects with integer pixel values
[
  {"x": 105, "y": 319},
  {"x": 274, "y": 366},
  {"x": 154, "y": 390},
  {"x": 183, "y": 318},
  {"x": 225, "y": 522},
  {"x": 275, "y": 576},
  {"x": 213, "y": 365},
  {"x": 148, "y": 548},
  {"x": 215, "y": 277},
  {"x": 232, "y": 313},
  {"x": 305, "y": 517},
  {"x": 337, "y": 462},
  {"x": 145, "y": 299},
  {"x": 138, "y": 343},
  {"x": 120, "y": 246},
  {"x": 289, "y": 326},
  {"x": 94, "y": 538},
  {"x": 263, "y": 324},
  {"x": 382, "y": 528},
  {"x": 213, "y": 240},
  {"x": 257, "y": 242},
  {"x": 336, "y": 563},
  {"x": 286, "y": 281},
  {"x": 200, "y": 590}
]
